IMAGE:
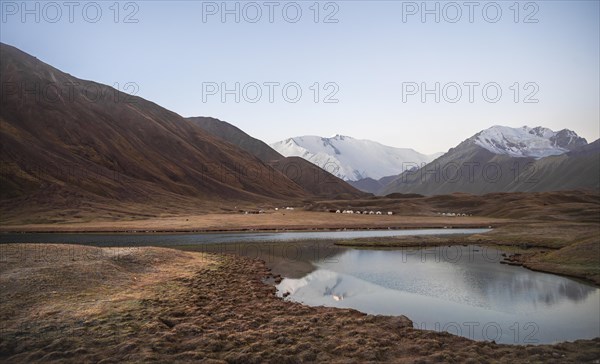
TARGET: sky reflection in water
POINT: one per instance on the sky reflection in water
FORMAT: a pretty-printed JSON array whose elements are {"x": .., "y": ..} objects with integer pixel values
[{"x": 460, "y": 289}]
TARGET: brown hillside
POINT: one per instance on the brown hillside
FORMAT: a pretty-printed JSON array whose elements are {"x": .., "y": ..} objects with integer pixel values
[
  {"x": 67, "y": 142},
  {"x": 315, "y": 180}
]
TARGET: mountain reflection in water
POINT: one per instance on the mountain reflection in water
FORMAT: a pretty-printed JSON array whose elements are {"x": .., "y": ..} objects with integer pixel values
[{"x": 464, "y": 285}]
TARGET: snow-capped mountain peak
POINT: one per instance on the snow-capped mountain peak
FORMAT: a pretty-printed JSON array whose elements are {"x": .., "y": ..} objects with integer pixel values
[
  {"x": 352, "y": 159},
  {"x": 535, "y": 142},
  {"x": 540, "y": 131}
]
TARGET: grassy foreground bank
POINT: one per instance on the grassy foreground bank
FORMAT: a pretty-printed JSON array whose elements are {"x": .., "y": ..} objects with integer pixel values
[{"x": 69, "y": 303}]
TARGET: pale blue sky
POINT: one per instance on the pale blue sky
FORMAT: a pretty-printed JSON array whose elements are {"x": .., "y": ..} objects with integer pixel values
[{"x": 170, "y": 52}]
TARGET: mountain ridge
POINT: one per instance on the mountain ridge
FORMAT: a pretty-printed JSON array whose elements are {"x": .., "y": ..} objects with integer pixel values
[
  {"x": 510, "y": 167},
  {"x": 537, "y": 142},
  {"x": 352, "y": 159},
  {"x": 309, "y": 176},
  {"x": 72, "y": 149}
]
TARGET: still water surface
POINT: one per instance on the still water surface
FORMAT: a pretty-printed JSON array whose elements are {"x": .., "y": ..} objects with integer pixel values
[
  {"x": 168, "y": 239},
  {"x": 460, "y": 289}
]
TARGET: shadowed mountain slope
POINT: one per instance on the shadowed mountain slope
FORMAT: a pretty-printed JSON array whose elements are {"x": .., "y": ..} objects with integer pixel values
[
  {"x": 310, "y": 177},
  {"x": 475, "y": 169},
  {"x": 67, "y": 142}
]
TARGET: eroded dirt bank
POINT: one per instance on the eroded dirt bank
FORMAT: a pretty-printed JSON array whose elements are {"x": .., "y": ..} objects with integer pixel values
[{"x": 68, "y": 303}]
